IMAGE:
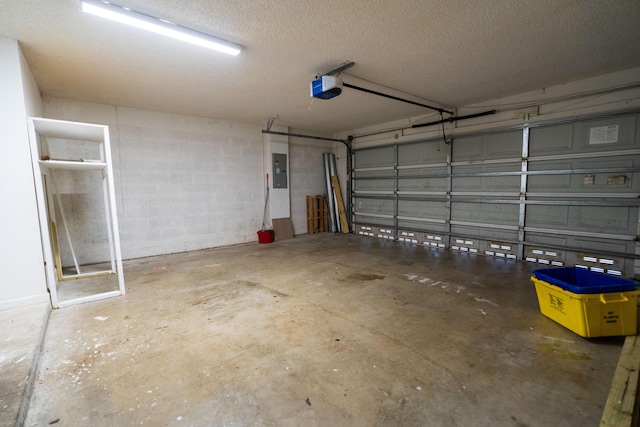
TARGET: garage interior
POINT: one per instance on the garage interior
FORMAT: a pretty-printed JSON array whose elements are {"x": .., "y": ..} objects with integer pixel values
[{"x": 464, "y": 145}]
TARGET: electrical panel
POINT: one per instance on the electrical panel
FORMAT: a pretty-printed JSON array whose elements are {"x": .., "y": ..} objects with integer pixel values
[{"x": 279, "y": 163}]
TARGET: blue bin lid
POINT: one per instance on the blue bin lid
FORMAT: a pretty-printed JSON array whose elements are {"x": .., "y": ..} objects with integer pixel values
[{"x": 582, "y": 281}]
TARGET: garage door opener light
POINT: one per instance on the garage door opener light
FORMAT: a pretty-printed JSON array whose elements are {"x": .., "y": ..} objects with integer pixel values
[{"x": 163, "y": 27}]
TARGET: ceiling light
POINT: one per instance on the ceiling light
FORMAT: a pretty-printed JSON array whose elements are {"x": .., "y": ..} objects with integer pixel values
[{"x": 158, "y": 26}]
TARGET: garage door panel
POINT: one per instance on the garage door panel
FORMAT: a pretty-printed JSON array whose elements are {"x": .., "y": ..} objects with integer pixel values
[
  {"x": 374, "y": 157},
  {"x": 575, "y": 199},
  {"x": 467, "y": 212},
  {"x": 422, "y": 153},
  {"x": 606, "y": 162},
  {"x": 542, "y": 239},
  {"x": 427, "y": 172},
  {"x": 620, "y": 220},
  {"x": 374, "y": 206},
  {"x": 619, "y": 178},
  {"x": 485, "y": 213},
  {"x": 493, "y": 146},
  {"x": 372, "y": 223},
  {"x": 467, "y": 148},
  {"x": 423, "y": 179},
  {"x": 486, "y": 183},
  {"x": 547, "y": 216},
  {"x": 605, "y": 134},
  {"x": 610, "y": 220},
  {"x": 422, "y": 209},
  {"x": 368, "y": 174},
  {"x": 595, "y": 246},
  {"x": 613, "y": 182},
  {"x": 585, "y": 252},
  {"x": 603, "y": 263},
  {"x": 551, "y": 140},
  {"x": 427, "y": 228},
  {"x": 549, "y": 183},
  {"x": 423, "y": 184},
  {"x": 483, "y": 234},
  {"x": 466, "y": 184},
  {"x": 503, "y": 145},
  {"x": 550, "y": 165},
  {"x": 375, "y": 185},
  {"x": 622, "y": 181},
  {"x": 612, "y": 134},
  {"x": 501, "y": 183}
]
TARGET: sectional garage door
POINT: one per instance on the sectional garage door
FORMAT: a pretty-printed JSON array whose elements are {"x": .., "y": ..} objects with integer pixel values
[{"x": 560, "y": 194}]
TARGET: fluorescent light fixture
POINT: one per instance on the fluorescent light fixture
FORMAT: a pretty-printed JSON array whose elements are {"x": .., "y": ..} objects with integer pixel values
[{"x": 127, "y": 16}]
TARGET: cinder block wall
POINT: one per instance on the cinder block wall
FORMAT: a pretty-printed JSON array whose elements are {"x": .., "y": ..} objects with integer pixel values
[
  {"x": 307, "y": 177},
  {"x": 182, "y": 182}
]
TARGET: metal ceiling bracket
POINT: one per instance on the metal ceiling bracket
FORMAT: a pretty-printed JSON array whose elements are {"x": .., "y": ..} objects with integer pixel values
[{"x": 337, "y": 71}]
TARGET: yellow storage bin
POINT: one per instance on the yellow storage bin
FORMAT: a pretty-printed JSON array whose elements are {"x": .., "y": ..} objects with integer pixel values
[{"x": 589, "y": 315}]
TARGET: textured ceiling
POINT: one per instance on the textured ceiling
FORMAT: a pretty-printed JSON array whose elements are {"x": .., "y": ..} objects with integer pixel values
[{"x": 452, "y": 53}]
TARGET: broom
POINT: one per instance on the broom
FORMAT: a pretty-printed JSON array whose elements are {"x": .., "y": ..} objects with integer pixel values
[{"x": 266, "y": 199}]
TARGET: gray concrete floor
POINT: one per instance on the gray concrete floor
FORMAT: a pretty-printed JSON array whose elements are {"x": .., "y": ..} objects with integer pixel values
[
  {"x": 21, "y": 337},
  {"x": 320, "y": 330}
]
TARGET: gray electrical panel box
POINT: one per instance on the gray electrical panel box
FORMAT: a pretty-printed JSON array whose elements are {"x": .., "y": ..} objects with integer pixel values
[{"x": 279, "y": 163}]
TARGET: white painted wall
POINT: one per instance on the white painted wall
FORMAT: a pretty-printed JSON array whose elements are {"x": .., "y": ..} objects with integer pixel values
[
  {"x": 32, "y": 98},
  {"x": 23, "y": 281},
  {"x": 182, "y": 182},
  {"x": 307, "y": 176}
]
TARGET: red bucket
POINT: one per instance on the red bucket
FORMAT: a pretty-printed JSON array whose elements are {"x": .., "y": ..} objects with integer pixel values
[{"x": 265, "y": 236}]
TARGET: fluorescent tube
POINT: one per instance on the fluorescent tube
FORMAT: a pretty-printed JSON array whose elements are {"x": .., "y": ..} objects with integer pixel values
[{"x": 158, "y": 26}]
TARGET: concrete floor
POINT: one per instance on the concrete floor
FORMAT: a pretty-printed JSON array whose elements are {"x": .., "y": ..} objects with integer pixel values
[
  {"x": 21, "y": 337},
  {"x": 321, "y": 330}
]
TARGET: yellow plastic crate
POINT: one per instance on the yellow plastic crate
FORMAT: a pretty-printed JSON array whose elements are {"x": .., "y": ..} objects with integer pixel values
[{"x": 589, "y": 315}]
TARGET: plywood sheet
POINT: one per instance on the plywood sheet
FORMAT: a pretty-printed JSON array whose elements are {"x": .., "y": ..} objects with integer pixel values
[{"x": 282, "y": 229}]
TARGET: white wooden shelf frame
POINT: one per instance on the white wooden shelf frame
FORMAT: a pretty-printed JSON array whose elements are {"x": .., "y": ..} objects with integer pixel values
[{"x": 43, "y": 168}]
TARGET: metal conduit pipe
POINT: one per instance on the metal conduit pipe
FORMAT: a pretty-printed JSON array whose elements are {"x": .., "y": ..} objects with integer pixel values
[
  {"x": 330, "y": 208},
  {"x": 333, "y": 171}
]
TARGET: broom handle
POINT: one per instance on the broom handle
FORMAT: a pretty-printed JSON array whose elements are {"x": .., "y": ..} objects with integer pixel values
[{"x": 266, "y": 199}]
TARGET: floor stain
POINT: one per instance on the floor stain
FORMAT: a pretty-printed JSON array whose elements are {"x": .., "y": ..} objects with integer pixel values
[
  {"x": 364, "y": 277},
  {"x": 556, "y": 350}
]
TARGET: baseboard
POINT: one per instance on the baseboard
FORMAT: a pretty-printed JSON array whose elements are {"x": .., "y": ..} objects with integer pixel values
[{"x": 23, "y": 302}]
